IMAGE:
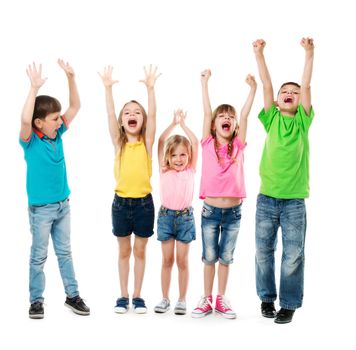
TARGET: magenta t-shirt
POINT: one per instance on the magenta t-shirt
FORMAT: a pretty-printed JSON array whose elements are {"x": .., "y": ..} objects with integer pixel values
[
  {"x": 177, "y": 188},
  {"x": 223, "y": 177}
]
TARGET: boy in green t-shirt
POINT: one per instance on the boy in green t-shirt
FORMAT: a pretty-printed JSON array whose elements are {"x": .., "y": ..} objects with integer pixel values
[{"x": 284, "y": 172}]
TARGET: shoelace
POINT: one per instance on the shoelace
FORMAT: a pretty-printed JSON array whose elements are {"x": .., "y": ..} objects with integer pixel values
[
  {"x": 204, "y": 302},
  {"x": 224, "y": 303}
]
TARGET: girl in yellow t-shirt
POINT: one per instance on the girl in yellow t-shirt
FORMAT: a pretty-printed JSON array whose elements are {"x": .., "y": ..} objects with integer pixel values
[{"x": 132, "y": 135}]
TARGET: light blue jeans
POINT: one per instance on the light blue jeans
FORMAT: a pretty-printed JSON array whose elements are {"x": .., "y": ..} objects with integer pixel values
[
  {"x": 290, "y": 215},
  {"x": 51, "y": 220}
]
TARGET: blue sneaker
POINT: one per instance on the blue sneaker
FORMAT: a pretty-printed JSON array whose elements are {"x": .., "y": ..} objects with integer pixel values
[
  {"x": 122, "y": 305},
  {"x": 139, "y": 306}
]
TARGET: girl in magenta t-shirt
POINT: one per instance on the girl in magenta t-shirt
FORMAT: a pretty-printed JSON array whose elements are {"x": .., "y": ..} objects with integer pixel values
[
  {"x": 222, "y": 187},
  {"x": 175, "y": 226}
]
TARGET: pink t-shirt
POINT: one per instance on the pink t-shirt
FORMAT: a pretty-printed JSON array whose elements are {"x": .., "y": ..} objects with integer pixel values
[
  {"x": 224, "y": 177},
  {"x": 177, "y": 188}
]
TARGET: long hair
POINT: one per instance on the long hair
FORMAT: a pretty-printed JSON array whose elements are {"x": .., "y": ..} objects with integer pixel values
[
  {"x": 224, "y": 108},
  {"x": 44, "y": 105},
  {"x": 122, "y": 133},
  {"x": 171, "y": 144}
]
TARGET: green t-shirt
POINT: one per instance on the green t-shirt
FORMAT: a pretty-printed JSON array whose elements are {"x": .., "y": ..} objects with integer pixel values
[{"x": 284, "y": 167}]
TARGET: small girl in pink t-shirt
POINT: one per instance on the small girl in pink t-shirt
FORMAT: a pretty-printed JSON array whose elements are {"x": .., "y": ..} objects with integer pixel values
[
  {"x": 175, "y": 226},
  {"x": 222, "y": 187}
]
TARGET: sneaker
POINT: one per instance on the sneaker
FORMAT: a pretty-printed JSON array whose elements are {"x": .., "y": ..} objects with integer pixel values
[
  {"x": 268, "y": 310},
  {"x": 36, "y": 310},
  {"x": 163, "y": 306},
  {"x": 203, "y": 308},
  {"x": 122, "y": 305},
  {"x": 139, "y": 306},
  {"x": 284, "y": 316},
  {"x": 77, "y": 305},
  {"x": 223, "y": 307},
  {"x": 180, "y": 308}
]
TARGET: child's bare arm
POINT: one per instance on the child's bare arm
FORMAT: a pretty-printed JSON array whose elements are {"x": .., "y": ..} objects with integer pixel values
[
  {"x": 191, "y": 136},
  {"x": 108, "y": 82},
  {"x": 35, "y": 75},
  {"x": 74, "y": 100},
  {"x": 258, "y": 47},
  {"x": 150, "y": 80},
  {"x": 305, "y": 95},
  {"x": 250, "y": 80},
  {"x": 208, "y": 114}
]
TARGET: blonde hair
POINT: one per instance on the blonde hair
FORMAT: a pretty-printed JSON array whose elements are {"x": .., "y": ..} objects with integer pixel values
[
  {"x": 122, "y": 134},
  {"x": 224, "y": 108},
  {"x": 171, "y": 144}
]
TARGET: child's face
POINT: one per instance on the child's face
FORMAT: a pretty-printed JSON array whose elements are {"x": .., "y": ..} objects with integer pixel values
[
  {"x": 132, "y": 118},
  {"x": 225, "y": 125},
  {"x": 288, "y": 99},
  {"x": 50, "y": 124},
  {"x": 179, "y": 158}
]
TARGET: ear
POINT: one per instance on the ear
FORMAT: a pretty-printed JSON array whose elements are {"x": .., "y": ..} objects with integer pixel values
[{"x": 38, "y": 123}]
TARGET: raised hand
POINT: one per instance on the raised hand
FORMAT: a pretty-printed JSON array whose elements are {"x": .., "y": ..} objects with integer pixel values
[
  {"x": 205, "y": 75},
  {"x": 150, "y": 76},
  {"x": 106, "y": 77},
  {"x": 307, "y": 43},
  {"x": 35, "y": 75},
  {"x": 67, "y": 68},
  {"x": 258, "y": 46},
  {"x": 250, "y": 80}
]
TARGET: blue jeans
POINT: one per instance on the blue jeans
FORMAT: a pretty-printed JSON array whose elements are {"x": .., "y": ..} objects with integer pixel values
[
  {"x": 51, "y": 220},
  {"x": 290, "y": 215},
  {"x": 219, "y": 227}
]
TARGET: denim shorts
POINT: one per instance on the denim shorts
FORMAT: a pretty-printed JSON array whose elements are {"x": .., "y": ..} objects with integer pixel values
[
  {"x": 176, "y": 224},
  {"x": 219, "y": 227},
  {"x": 133, "y": 215}
]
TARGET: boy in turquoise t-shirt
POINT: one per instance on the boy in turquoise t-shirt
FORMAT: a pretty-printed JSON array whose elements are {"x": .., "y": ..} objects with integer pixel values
[
  {"x": 42, "y": 126},
  {"x": 284, "y": 172}
]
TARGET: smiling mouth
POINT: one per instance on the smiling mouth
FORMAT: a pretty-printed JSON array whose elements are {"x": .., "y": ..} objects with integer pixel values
[
  {"x": 132, "y": 123},
  {"x": 226, "y": 127},
  {"x": 288, "y": 100}
]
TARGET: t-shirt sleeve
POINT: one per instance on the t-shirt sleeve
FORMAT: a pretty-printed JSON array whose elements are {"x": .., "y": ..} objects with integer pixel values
[
  {"x": 304, "y": 119},
  {"x": 266, "y": 117},
  {"x": 64, "y": 127},
  {"x": 206, "y": 141},
  {"x": 26, "y": 143}
]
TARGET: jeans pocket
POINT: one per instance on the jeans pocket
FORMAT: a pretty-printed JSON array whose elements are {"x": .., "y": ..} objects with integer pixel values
[{"x": 205, "y": 212}]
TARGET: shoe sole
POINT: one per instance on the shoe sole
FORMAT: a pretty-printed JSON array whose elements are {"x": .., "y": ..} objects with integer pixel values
[
  {"x": 180, "y": 312},
  {"x": 269, "y": 316},
  {"x": 121, "y": 310},
  {"x": 282, "y": 322},
  {"x": 161, "y": 311},
  {"x": 222, "y": 314},
  {"x": 78, "y": 312},
  {"x": 203, "y": 314},
  {"x": 36, "y": 316},
  {"x": 140, "y": 310}
]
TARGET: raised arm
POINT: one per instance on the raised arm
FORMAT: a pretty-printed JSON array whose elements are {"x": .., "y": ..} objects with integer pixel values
[
  {"x": 108, "y": 82},
  {"x": 164, "y": 136},
  {"x": 191, "y": 136},
  {"x": 208, "y": 114},
  {"x": 150, "y": 80},
  {"x": 37, "y": 81},
  {"x": 74, "y": 100},
  {"x": 250, "y": 80},
  {"x": 258, "y": 47},
  {"x": 305, "y": 93}
]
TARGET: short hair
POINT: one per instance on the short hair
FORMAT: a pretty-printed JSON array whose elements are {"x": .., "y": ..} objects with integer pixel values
[
  {"x": 45, "y": 105},
  {"x": 288, "y": 83}
]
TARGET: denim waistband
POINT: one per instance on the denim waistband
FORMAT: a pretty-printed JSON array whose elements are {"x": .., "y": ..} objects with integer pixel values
[
  {"x": 133, "y": 201},
  {"x": 185, "y": 211}
]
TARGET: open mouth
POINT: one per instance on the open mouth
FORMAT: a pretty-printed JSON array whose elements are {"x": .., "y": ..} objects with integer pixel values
[
  {"x": 288, "y": 100},
  {"x": 132, "y": 123},
  {"x": 226, "y": 126}
]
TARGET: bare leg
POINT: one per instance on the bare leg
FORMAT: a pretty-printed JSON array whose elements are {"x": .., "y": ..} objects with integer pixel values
[
  {"x": 183, "y": 268},
  {"x": 167, "y": 264},
  {"x": 139, "y": 251},
  {"x": 209, "y": 274},
  {"x": 124, "y": 264},
  {"x": 223, "y": 274}
]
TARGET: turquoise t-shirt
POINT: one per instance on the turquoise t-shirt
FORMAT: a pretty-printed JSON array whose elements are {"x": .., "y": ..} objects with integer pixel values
[
  {"x": 284, "y": 167},
  {"x": 46, "y": 180}
]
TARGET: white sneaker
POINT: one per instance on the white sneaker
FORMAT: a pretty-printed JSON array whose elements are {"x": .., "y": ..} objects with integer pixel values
[
  {"x": 180, "y": 308},
  {"x": 163, "y": 306}
]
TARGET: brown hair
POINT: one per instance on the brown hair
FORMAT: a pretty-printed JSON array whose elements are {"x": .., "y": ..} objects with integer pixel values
[
  {"x": 288, "y": 83},
  {"x": 171, "y": 144},
  {"x": 44, "y": 105},
  {"x": 224, "y": 108},
  {"x": 122, "y": 133}
]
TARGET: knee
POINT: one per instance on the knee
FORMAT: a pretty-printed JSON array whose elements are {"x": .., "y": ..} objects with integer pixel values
[
  {"x": 167, "y": 262},
  {"x": 125, "y": 253},
  {"x": 182, "y": 262},
  {"x": 139, "y": 253}
]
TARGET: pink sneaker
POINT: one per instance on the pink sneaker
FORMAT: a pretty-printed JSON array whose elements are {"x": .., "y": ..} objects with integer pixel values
[
  {"x": 204, "y": 307},
  {"x": 223, "y": 307}
]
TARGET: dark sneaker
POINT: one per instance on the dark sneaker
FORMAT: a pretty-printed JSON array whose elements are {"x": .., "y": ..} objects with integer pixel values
[
  {"x": 122, "y": 305},
  {"x": 139, "y": 306},
  {"x": 77, "y": 305},
  {"x": 36, "y": 310},
  {"x": 268, "y": 310},
  {"x": 284, "y": 316}
]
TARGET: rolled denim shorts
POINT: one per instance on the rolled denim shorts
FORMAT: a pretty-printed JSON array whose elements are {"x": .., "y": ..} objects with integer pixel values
[
  {"x": 219, "y": 227},
  {"x": 176, "y": 224},
  {"x": 133, "y": 215}
]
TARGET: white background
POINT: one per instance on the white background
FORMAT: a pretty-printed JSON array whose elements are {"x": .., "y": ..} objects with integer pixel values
[{"x": 182, "y": 38}]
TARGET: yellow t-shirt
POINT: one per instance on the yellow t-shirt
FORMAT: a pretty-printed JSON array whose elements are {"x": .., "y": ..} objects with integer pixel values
[{"x": 133, "y": 170}]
